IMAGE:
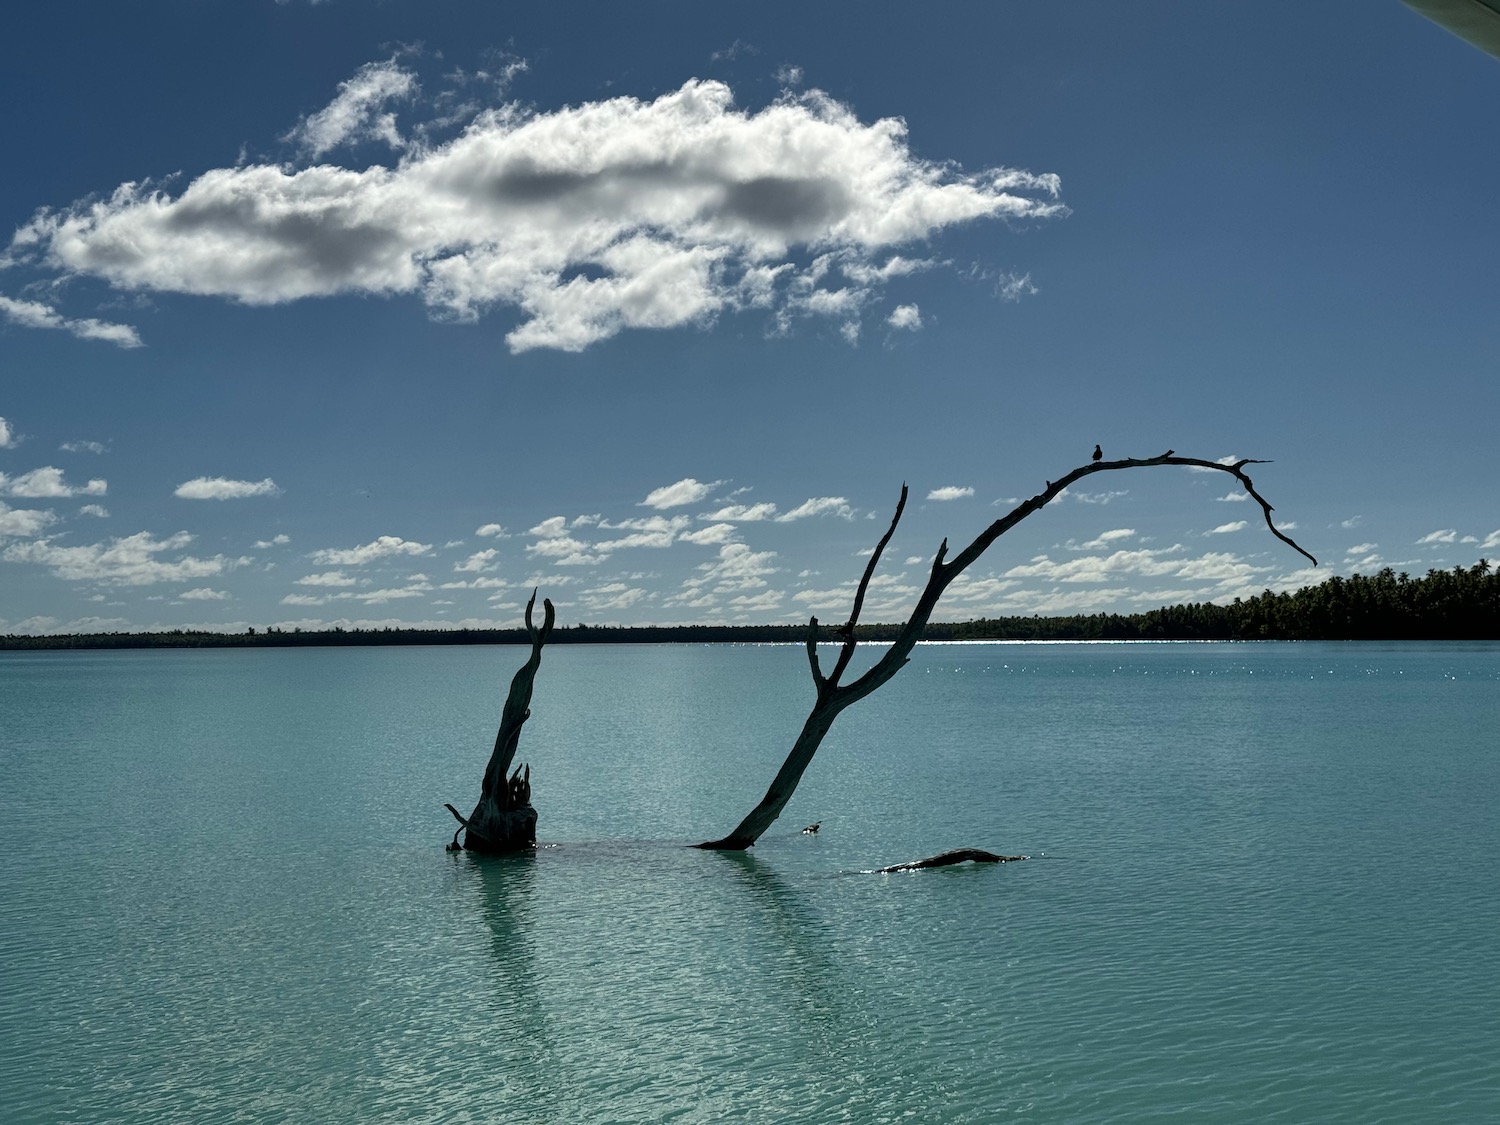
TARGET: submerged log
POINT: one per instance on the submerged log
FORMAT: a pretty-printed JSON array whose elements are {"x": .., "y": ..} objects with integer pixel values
[{"x": 503, "y": 820}]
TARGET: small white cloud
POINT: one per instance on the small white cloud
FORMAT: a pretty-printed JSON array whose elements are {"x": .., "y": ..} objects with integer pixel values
[
  {"x": 908, "y": 317},
  {"x": 950, "y": 492},
  {"x": 1491, "y": 541},
  {"x": 381, "y": 597},
  {"x": 7, "y": 435},
  {"x": 711, "y": 536},
  {"x": 383, "y": 547},
  {"x": 1352, "y": 522},
  {"x": 1106, "y": 538},
  {"x": 97, "y": 510},
  {"x": 221, "y": 488},
  {"x": 1012, "y": 287},
  {"x": 685, "y": 491},
  {"x": 1227, "y": 528},
  {"x": 1106, "y": 497},
  {"x": 478, "y": 561},
  {"x": 23, "y": 523},
  {"x": 819, "y": 506},
  {"x": 491, "y": 530},
  {"x": 274, "y": 541},
  {"x": 734, "y": 51},
  {"x": 328, "y": 578},
  {"x": 742, "y": 513},
  {"x": 47, "y": 483},
  {"x": 34, "y": 314},
  {"x": 354, "y": 114},
  {"x": 1447, "y": 535},
  {"x": 1233, "y": 497},
  {"x": 789, "y": 75},
  {"x": 83, "y": 447},
  {"x": 204, "y": 594}
]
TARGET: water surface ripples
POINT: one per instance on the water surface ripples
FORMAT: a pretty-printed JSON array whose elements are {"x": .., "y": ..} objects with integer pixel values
[{"x": 1263, "y": 889}]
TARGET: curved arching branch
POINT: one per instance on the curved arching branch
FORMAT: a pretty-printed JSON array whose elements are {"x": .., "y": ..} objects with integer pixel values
[{"x": 833, "y": 697}]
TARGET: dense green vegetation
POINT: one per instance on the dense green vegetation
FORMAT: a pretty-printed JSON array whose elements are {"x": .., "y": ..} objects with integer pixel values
[{"x": 1455, "y": 604}]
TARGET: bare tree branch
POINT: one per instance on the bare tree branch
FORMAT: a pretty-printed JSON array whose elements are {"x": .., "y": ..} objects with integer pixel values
[{"x": 833, "y": 697}]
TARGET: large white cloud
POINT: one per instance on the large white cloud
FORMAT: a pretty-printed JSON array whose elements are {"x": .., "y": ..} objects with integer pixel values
[{"x": 588, "y": 219}]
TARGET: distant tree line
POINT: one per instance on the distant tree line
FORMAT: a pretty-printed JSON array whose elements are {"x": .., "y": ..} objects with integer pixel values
[{"x": 1455, "y": 604}]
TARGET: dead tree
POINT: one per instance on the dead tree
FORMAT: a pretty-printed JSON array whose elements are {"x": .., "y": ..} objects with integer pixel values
[
  {"x": 503, "y": 820},
  {"x": 833, "y": 697}
]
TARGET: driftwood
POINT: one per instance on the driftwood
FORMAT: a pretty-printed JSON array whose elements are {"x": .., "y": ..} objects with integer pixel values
[
  {"x": 503, "y": 820},
  {"x": 957, "y": 855},
  {"x": 833, "y": 697}
]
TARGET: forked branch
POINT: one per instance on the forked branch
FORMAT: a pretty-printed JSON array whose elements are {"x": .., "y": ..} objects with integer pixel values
[{"x": 833, "y": 696}]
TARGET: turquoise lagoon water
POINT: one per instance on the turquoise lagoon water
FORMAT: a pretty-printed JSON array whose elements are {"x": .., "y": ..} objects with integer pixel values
[{"x": 1265, "y": 888}]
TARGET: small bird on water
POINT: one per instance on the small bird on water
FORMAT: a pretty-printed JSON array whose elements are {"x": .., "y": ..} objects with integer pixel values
[
  {"x": 1098, "y": 453},
  {"x": 812, "y": 829}
]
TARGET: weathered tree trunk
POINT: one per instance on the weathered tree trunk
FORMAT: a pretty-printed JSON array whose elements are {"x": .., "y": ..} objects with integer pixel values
[
  {"x": 503, "y": 820},
  {"x": 833, "y": 697}
]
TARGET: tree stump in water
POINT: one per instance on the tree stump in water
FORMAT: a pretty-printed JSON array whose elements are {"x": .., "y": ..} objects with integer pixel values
[{"x": 503, "y": 820}]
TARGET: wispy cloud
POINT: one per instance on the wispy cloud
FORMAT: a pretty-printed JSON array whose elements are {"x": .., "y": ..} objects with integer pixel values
[
  {"x": 335, "y": 578},
  {"x": 204, "y": 594},
  {"x": 1227, "y": 528},
  {"x": 950, "y": 492},
  {"x": 7, "y": 435},
  {"x": 685, "y": 491},
  {"x": 818, "y": 506},
  {"x": 134, "y": 560},
  {"x": 589, "y": 220},
  {"x": 384, "y": 547},
  {"x": 34, "y": 314},
  {"x": 742, "y": 513},
  {"x": 1446, "y": 535},
  {"x": 355, "y": 113},
  {"x": 220, "y": 488},
  {"x": 1104, "y": 539}
]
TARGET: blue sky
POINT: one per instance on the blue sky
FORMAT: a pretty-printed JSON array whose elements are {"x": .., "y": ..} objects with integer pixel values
[{"x": 384, "y": 313}]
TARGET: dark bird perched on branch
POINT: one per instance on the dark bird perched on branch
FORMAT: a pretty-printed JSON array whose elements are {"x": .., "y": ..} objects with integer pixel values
[{"x": 1098, "y": 454}]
